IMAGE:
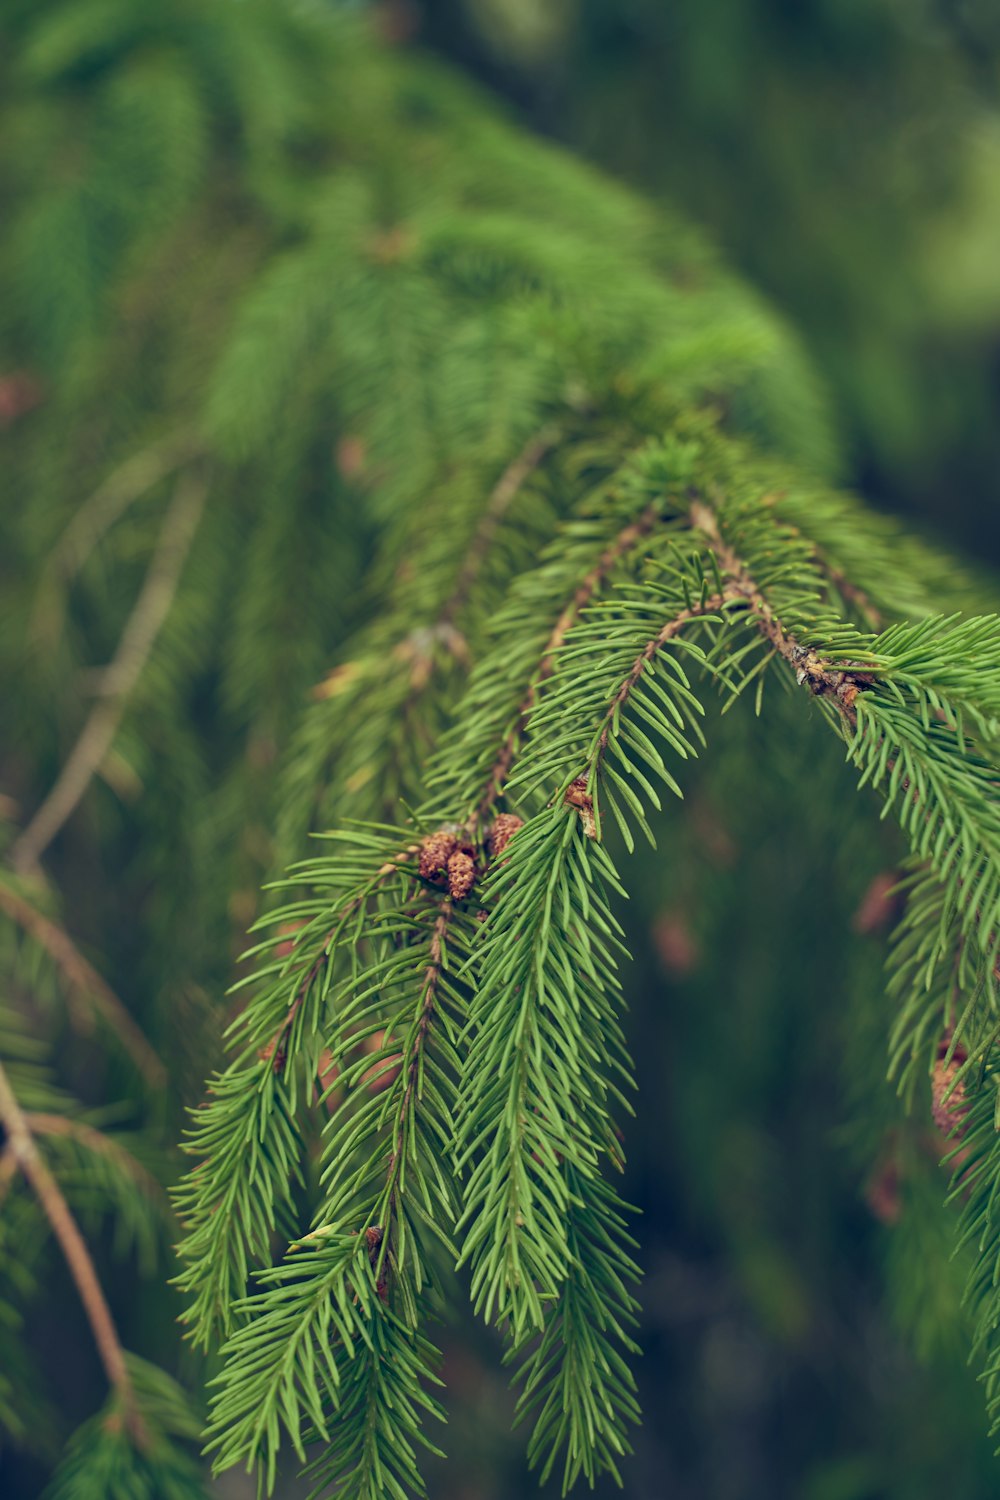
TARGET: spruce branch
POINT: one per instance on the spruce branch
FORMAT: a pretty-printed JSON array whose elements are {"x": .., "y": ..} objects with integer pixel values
[
  {"x": 21, "y": 1143},
  {"x": 137, "y": 640},
  {"x": 85, "y": 982},
  {"x": 411, "y": 1062},
  {"x": 837, "y": 686},
  {"x": 627, "y": 539},
  {"x": 246, "y": 1138},
  {"x": 381, "y": 1200}
]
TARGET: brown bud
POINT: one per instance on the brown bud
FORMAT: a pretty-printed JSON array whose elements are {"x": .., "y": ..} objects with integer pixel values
[
  {"x": 504, "y": 828},
  {"x": 435, "y": 852},
  {"x": 461, "y": 874},
  {"x": 350, "y": 456},
  {"x": 20, "y": 392}
]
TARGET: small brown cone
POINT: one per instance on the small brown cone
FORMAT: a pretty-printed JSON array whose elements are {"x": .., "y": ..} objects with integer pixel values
[
  {"x": 461, "y": 875},
  {"x": 435, "y": 852}
]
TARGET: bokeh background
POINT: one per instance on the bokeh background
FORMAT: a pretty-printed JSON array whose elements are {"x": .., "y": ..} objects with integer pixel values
[{"x": 802, "y": 1329}]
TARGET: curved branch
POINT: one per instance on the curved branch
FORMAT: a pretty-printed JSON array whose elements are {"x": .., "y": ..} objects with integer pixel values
[
  {"x": 839, "y": 687},
  {"x": 86, "y": 982},
  {"x": 137, "y": 640},
  {"x": 656, "y": 643},
  {"x": 21, "y": 1144}
]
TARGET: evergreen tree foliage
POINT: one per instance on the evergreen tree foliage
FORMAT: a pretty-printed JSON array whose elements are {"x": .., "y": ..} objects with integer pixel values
[{"x": 329, "y": 383}]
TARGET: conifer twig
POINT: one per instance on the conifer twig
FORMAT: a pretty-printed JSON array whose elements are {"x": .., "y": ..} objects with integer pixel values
[
  {"x": 428, "y": 994},
  {"x": 623, "y": 543},
  {"x": 137, "y": 639},
  {"x": 673, "y": 627},
  {"x": 274, "y": 1051},
  {"x": 838, "y": 686},
  {"x": 21, "y": 1144},
  {"x": 86, "y": 982},
  {"x": 852, "y": 593},
  {"x": 417, "y": 648}
]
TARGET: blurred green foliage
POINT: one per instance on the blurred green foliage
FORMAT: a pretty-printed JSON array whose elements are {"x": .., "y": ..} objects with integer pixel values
[{"x": 845, "y": 154}]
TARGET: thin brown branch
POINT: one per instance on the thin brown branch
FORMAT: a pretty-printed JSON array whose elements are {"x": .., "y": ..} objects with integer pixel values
[
  {"x": 855, "y": 596},
  {"x": 672, "y": 628},
  {"x": 137, "y": 640},
  {"x": 85, "y": 982},
  {"x": 837, "y": 686},
  {"x": 417, "y": 649},
  {"x": 629, "y": 537},
  {"x": 578, "y": 793},
  {"x": 21, "y": 1143}
]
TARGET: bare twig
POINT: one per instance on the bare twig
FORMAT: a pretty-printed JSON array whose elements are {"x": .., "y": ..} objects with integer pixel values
[
  {"x": 86, "y": 982},
  {"x": 138, "y": 637},
  {"x": 21, "y": 1143}
]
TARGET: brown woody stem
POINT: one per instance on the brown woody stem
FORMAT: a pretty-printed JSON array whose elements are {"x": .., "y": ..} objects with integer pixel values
[
  {"x": 839, "y": 687},
  {"x": 85, "y": 981},
  {"x": 21, "y": 1144}
]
